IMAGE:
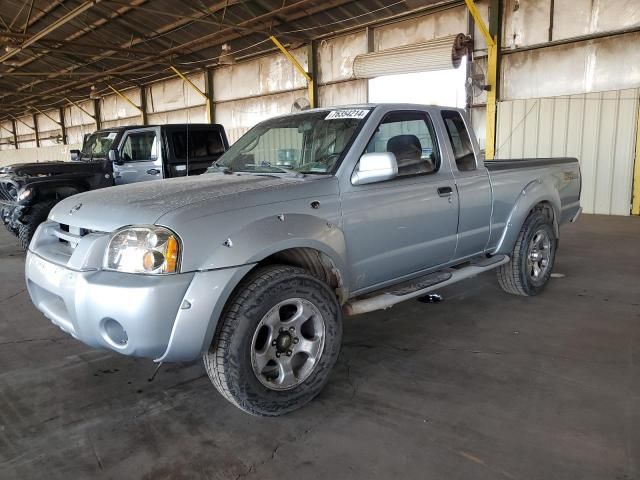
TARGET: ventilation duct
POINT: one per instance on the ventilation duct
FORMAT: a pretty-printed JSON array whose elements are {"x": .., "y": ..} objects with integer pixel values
[{"x": 439, "y": 54}]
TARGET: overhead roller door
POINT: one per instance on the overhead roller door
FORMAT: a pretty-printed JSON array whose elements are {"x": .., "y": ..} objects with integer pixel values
[{"x": 439, "y": 54}]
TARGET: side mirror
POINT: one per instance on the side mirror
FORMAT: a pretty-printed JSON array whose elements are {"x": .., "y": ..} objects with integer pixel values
[
  {"x": 114, "y": 157},
  {"x": 375, "y": 167},
  {"x": 75, "y": 155}
]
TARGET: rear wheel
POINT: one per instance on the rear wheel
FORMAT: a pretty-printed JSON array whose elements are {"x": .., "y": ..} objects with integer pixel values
[
  {"x": 30, "y": 223},
  {"x": 532, "y": 258},
  {"x": 276, "y": 342}
]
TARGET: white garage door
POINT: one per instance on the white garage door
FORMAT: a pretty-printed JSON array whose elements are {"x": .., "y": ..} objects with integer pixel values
[{"x": 597, "y": 128}]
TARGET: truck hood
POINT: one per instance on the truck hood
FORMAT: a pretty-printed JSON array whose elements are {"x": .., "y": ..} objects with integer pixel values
[
  {"x": 145, "y": 203},
  {"x": 48, "y": 169}
]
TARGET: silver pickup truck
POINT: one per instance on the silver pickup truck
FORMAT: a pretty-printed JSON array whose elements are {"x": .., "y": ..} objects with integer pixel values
[{"x": 307, "y": 218}]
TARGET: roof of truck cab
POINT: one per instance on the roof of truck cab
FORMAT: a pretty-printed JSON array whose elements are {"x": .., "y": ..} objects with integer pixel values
[
  {"x": 398, "y": 106},
  {"x": 170, "y": 125}
]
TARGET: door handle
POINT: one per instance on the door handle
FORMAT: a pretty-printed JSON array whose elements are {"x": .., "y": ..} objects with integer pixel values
[
  {"x": 153, "y": 171},
  {"x": 445, "y": 191}
]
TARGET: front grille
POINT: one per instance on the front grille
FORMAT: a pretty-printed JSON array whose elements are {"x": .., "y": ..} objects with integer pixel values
[
  {"x": 8, "y": 192},
  {"x": 69, "y": 235}
]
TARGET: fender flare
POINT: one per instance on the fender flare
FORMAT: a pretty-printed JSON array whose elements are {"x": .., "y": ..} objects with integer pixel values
[
  {"x": 534, "y": 193},
  {"x": 260, "y": 239},
  {"x": 52, "y": 189}
]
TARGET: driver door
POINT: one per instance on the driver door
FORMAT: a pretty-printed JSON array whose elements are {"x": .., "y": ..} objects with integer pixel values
[
  {"x": 398, "y": 228},
  {"x": 140, "y": 153}
]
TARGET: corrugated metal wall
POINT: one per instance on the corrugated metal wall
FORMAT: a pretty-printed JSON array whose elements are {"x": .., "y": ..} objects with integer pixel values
[
  {"x": 597, "y": 128},
  {"x": 42, "y": 154}
]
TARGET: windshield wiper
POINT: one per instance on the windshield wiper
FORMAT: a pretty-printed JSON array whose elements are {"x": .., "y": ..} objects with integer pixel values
[
  {"x": 283, "y": 170},
  {"x": 223, "y": 169}
]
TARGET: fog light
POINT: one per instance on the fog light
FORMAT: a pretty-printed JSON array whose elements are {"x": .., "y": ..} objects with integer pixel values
[{"x": 114, "y": 332}]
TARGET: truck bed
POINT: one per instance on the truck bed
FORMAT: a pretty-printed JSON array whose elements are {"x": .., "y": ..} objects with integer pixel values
[
  {"x": 518, "y": 163},
  {"x": 513, "y": 179}
]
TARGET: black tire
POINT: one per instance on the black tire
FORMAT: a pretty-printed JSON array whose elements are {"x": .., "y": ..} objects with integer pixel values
[
  {"x": 516, "y": 277},
  {"x": 12, "y": 230},
  {"x": 229, "y": 362},
  {"x": 30, "y": 223}
]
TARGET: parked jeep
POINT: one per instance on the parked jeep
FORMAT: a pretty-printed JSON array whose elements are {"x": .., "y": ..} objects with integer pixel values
[
  {"x": 253, "y": 265},
  {"x": 112, "y": 156}
]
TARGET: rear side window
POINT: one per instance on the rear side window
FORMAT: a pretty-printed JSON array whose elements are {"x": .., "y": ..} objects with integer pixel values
[
  {"x": 460, "y": 141},
  {"x": 196, "y": 144}
]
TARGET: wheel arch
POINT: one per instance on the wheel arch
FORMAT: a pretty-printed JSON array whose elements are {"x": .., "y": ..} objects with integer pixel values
[
  {"x": 57, "y": 190},
  {"x": 315, "y": 261},
  {"x": 536, "y": 196}
]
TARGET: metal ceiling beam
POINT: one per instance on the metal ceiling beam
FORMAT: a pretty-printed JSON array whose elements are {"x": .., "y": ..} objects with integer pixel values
[
  {"x": 294, "y": 61},
  {"x": 300, "y": 9},
  {"x": 56, "y": 42},
  {"x": 51, "y": 28},
  {"x": 196, "y": 19},
  {"x": 23, "y": 123},
  {"x": 288, "y": 13},
  {"x": 119, "y": 14},
  {"x": 47, "y": 115},
  {"x": 72, "y": 73},
  {"x": 127, "y": 99},
  {"x": 207, "y": 99},
  {"x": 81, "y": 109}
]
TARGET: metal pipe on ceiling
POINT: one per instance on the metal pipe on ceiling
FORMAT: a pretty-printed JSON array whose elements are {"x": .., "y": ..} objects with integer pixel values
[{"x": 50, "y": 28}]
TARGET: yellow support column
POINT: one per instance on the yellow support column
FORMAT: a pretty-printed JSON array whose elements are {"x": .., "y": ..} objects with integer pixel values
[
  {"x": 197, "y": 90},
  {"x": 492, "y": 73},
  {"x": 492, "y": 79},
  {"x": 300, "y": 68},
  {"x": 128, "y": 100}
]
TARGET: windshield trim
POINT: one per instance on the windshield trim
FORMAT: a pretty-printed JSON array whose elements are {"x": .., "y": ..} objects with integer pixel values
[{"x": 349, "y": 144}]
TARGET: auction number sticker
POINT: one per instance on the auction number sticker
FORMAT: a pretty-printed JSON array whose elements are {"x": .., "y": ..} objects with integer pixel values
[
  {"x": 112, "y": 135},
  {"x": 346, "y": 113}
]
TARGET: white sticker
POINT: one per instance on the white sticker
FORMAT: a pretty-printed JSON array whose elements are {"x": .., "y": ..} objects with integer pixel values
[
  {"x": 346, "y": 113},
  {"x": 112, "y": 135}
]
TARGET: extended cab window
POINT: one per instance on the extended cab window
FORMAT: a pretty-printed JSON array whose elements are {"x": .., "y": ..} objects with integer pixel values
[
  {"x": 460, "y": 141},
  {"x": 196, "y": 144},
  {"x": 140, "y": 146},
  {"x": 411, "y": 138}
]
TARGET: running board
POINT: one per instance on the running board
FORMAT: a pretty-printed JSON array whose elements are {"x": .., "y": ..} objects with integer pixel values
[{"x": 422, "y": 286}]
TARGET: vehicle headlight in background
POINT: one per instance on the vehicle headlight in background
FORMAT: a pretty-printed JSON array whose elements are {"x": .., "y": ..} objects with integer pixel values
[
  {"x": 24, "y": 194},
  {"x": 152, "y": 249}
]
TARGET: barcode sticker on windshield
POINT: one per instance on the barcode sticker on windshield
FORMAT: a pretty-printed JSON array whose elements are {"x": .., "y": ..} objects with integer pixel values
[
  {"x": 112, "y": 135},
  {"x": 346, "y": 113}
]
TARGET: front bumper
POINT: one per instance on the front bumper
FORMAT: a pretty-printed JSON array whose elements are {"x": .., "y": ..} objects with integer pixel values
[{"x": 166, "y": 318}]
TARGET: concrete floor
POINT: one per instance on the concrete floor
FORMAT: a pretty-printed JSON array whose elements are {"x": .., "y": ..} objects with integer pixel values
[{"x": 482, "y": 386}]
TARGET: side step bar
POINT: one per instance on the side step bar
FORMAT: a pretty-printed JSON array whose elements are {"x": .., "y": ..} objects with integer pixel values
[{"x": 422, "y": 286}]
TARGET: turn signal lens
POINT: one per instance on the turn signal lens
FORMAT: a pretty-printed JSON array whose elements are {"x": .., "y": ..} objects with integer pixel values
[{"x": 171, "y": 254}]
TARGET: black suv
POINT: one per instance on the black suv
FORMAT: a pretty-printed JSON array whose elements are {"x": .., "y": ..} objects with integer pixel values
[{"x": 112, "y": 156}]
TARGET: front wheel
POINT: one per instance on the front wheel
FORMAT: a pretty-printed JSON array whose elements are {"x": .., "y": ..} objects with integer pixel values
[
  {"x": 277, "y": 341},
  {"x": 532, "y": 259},
  {"x": 12, "y": 230},
  {"x": 37, "y": 214}
]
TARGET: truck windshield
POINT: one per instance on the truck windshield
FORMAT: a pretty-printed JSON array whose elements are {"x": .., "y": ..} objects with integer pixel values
[
  {"x": 309, "y": 143},
  {"x": 97, "y": 145}
]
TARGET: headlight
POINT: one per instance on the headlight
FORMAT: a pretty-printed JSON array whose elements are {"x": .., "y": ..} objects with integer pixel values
[
  {"x": 24, "y": 194},
  {"x": 151, "y": 249}
]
